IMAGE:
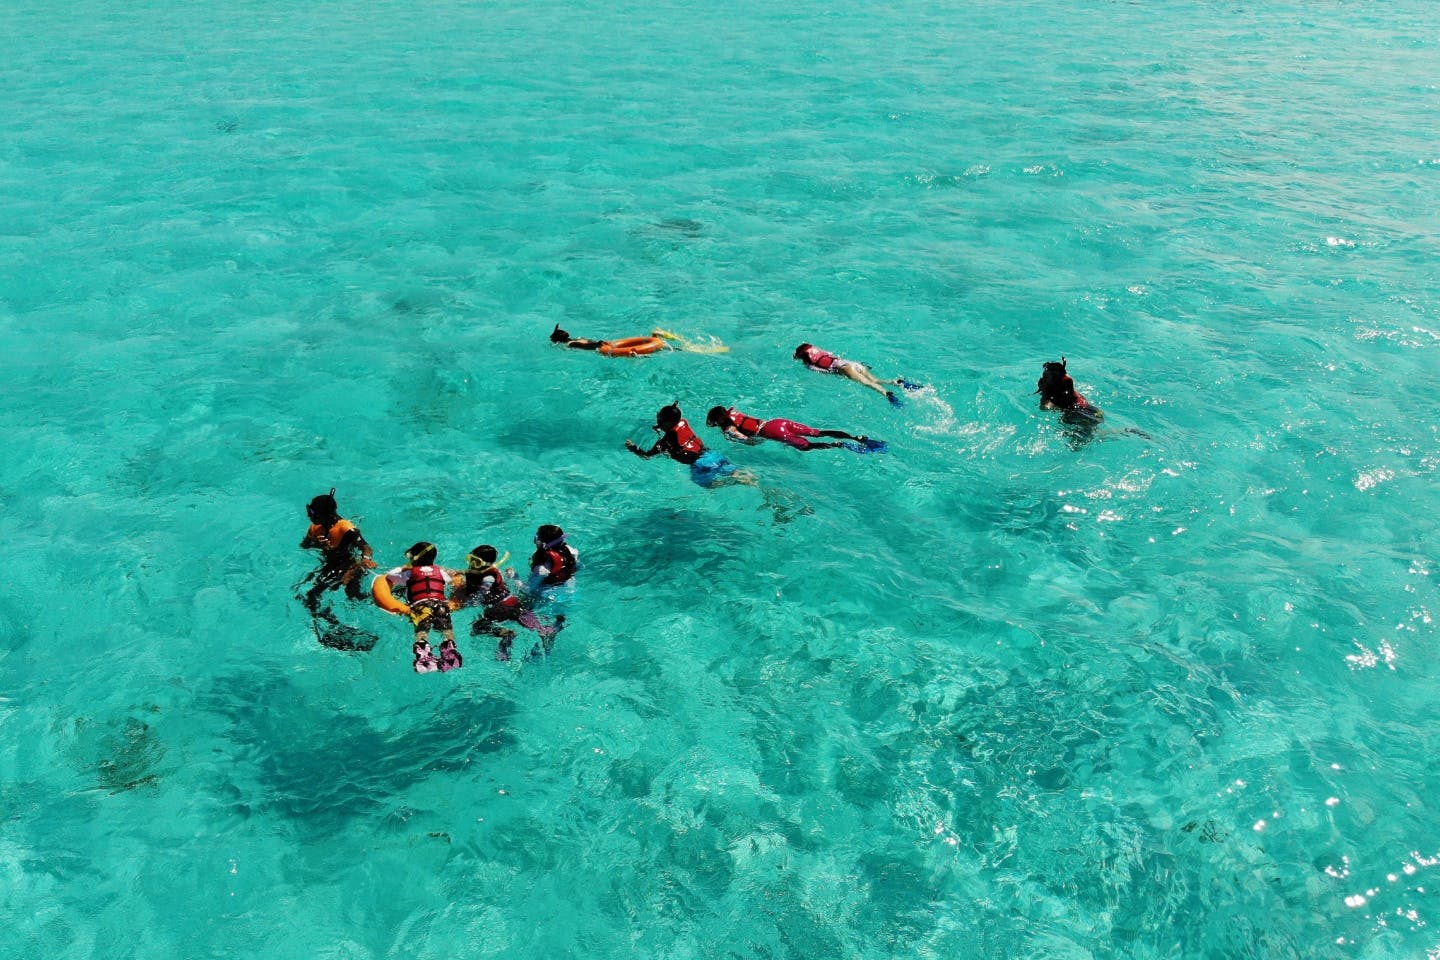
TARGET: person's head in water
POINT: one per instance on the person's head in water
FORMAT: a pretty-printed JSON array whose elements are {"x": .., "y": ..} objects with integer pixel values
[
  {"x": 549, "y": 536},
  {"x": 323, "y": 508},
  {"x": 802, "y": 351},
  {"x": 718, "y": 417},
  {"x": 482, "y": 557},
  {"x": 559, "y": 336},
  {"x": 421, "y": 555},
  {"x": 669, "y": 416},
  {"x": 1055, "y": 385}
]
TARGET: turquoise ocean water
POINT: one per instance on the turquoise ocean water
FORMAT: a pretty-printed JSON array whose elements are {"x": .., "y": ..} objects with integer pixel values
[{"x": 989, "y": 695}]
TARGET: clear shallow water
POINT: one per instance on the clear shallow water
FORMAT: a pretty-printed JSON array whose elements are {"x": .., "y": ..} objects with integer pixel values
[{"x": 986, "y": 696}]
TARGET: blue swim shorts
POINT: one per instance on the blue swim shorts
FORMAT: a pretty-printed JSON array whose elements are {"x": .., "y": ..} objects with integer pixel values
[{"x": 709, "y": 468}]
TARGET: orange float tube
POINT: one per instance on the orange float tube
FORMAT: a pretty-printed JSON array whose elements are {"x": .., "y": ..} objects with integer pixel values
[
  {"x": 632, "y": 347},
  {"x": 385, "y": 598}
]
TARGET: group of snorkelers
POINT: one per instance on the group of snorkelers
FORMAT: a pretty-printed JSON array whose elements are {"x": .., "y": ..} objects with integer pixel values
[
  {"x": 428, "y": 594},
  {"x": 679, "y": 441},
  {"x": 431, "y": 593}
]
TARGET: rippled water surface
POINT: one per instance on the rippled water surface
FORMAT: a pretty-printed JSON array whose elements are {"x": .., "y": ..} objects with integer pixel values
[{"x": 996, "y": 693}]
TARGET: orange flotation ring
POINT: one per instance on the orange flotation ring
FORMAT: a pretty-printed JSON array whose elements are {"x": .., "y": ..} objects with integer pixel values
[
  {"x": 385, "y": 598},
  {"x": 632, "y": 347}
]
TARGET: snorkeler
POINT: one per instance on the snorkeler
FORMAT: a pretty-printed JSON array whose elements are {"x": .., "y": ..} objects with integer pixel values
[
  {"x": 743, "y": 428},
  {"x": 425, "y": 604},
  {"x": 482, "y": 585},
  {"x": 552, "y": 579},
  {"x": 1057, "y": 392},
  {"x": 825, "y": 362},
  {"x": 554, "y": 561},
  {"x": 681, "y": 443},
  {"x": 1081, "y": 417},
  {"x": 344, "y": 555},
  {"x": 636, "y": 346}
]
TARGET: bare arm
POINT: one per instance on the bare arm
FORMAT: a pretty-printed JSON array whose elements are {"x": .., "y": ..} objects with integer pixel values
[
  {"x": 732, "y": 434},
  {"x": 636, "y": 449}
]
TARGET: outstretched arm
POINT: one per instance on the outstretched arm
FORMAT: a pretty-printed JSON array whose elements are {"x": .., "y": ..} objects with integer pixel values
[
  {"x": 732, "y": 434},
  {"x": 636, "y": 449}
]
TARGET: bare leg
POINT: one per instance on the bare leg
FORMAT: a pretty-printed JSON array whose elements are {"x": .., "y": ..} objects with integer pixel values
[{"x": 861, "y": 374}]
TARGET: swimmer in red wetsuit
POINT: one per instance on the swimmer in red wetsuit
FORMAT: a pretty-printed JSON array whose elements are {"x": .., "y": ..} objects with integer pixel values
[{"x": 743, "y": 428}]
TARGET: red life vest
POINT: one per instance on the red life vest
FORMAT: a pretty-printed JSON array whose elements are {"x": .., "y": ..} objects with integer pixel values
[
  {"x": 746, "y": 424},
  {"x": 820, "y": 358},
  {"x": 686, "y": 438},
  {"x": 560, "y": 562},
  {"x": 477, "y": 594},
  {"x": 426, "y": 583}
]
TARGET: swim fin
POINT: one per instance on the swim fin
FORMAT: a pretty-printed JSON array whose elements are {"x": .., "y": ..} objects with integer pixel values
[
  {"x": 425, "y": 661},
  {"x": 450, "y": 658},
  {"x": 866, "y": 445},
  {"x": 909, "y": 384},
  {"x": 895, "y": 401}
]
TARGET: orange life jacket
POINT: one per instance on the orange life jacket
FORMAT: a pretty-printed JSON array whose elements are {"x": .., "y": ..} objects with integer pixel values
[{"x": 330, "y": 539}]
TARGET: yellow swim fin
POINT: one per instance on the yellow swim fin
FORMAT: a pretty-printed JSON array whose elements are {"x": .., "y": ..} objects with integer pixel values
[{"x": 714, "y": 346}]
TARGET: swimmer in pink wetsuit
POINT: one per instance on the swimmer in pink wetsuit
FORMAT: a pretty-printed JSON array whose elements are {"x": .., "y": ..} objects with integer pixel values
[
  {"x": 825, "y": 362},
  {"x": 743, "y": 428}
]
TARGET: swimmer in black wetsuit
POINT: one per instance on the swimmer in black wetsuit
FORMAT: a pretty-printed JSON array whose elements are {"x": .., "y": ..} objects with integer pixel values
[
  {"x": 574, "y": 343},
  {"x": 654, "y": 342},
  {"x": 344, "y": 556}
]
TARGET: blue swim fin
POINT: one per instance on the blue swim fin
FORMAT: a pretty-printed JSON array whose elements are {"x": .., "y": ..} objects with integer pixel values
[
  {"x": 909, "y": 384},
  {"x": 866, "y": 445},
  {"x": 895, "y": 400}
]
